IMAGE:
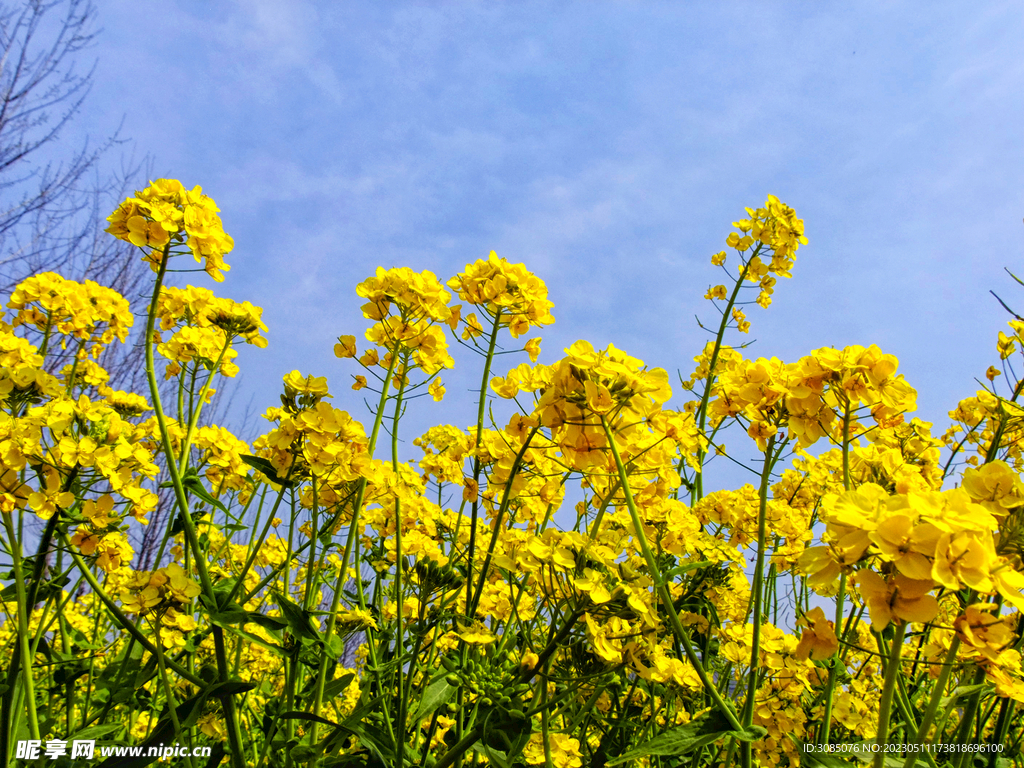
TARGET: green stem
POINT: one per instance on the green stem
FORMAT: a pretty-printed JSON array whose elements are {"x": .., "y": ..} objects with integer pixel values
[
  {"x": 938, "y": 690},
  {"x": 969, "y": 711},
  {"x": 702, "y": 411},
  {"x": 836, "y": 661},
  {"x": 888, "y": 688},
  {"x": 172, "y": 704},
  {"x": 544, "y": 717},
  {"x": 481, "y": 405},
  {"x": 234, "y": 734},
  {"x": 351, "y": 550},
  {"x": 165, "y": 437},
  {"x": 399, "y": 597},
  {"x": 502, "y": 509},
  {"x": 757, "y": 589},
  {"x": 194, "y": 420},
  {"x": 23, "y": 614},
  {"x": 663, "y": 591}
]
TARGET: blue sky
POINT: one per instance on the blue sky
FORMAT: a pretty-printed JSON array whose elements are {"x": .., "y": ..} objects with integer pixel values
[{"x": 607, "y": 145}]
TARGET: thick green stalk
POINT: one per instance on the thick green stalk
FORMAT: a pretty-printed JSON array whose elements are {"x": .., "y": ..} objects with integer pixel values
[
  {"x": 193, "y": 421},
  {"x": 544, "y": 717},
  {"x": 757, "y": 588},
  {"x": 234, "y": 733},
  {"x": 702, "y": 410},
  {"x": 662, "y": 588},
  {"x": 399, "y": 597},
  {"x": 837, "y": 658},
  {"x": 351, "y": 550},
  {"x": 888, "y": 688},
  {"x": 23, "y": 615},
  {"x": 938, "y": 690},
  {"x": 481, "y": 407}
]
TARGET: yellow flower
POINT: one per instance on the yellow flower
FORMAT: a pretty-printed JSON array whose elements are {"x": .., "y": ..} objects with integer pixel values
[
  {"x": 532, "y": 348},
  {"x": 356, "y": 618},
  {"x": 506, "y": 388},
  {"x": 519, "y": 296},
  {"x": 907, "y": 545},
  {"x": 476, "y": 634},
  {"x": 179, "y": 585},
  {"x": 529, "y": 661},
  {"x": 165, "y": 210},
  {"x": 593, "y": 584},
  {"x": 346, "y": 346},
  {"x": 436, "y": 390},
  {"x": 964, "y": 559},
  {"x": 996, "y": 486},
  {"x": 818, "y": 641},
  {"x": 987, "y": 634},
  {"x": 565, "y": 751},
  {"x": 896, "y": 597},
  {"x": 296, "y": 383}
]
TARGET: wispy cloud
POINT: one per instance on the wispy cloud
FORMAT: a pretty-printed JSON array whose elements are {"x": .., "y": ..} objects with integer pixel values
[{"x": 608, "y": 146}]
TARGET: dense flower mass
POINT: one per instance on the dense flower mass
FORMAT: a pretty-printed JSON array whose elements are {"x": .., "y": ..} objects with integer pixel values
[
  {"x": 88, "y": 312},
  {"x": 506, "y": 291},
  {"x": 556, "y": 584},
  {"x": 165, "y": 214}
]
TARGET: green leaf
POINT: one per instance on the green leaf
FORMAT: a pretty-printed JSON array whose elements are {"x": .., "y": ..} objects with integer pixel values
[
  {"x": 267, "y": 469},
  {"x": 335, "y": 688},
  {"x": 96, "y": 731},
  {"x": 295, "y": 715},
  {"x": 271, "y": 623},
  {"x": 685, "y": 738},
  {"x": 494, "y": 756},
  {"x": 301, "y": 753},
  {"x": 437, "y": 693},
  {"x": 298, "y": 620},
  {"x": 354, "y": 725},
  {"x": 216, "y": 756},
  {"x": 178, "y": 526},
  {"x": 231, "y": 687},
  {"x": 189, "y": 711},
  {"x": 232, "y": 613},
  {"x": 334, "y": 647},
  {"x": 960, "y": 691},
  {"x": 195, "y": 486},
  {"x": 146, "y": 673}
]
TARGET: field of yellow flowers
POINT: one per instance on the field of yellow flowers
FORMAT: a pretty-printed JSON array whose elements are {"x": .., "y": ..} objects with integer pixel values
[{"x": 552, "y": 586}]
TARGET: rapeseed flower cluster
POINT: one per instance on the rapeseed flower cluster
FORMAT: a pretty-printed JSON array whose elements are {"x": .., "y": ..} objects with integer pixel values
[{"x": 165, "y": 214}]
